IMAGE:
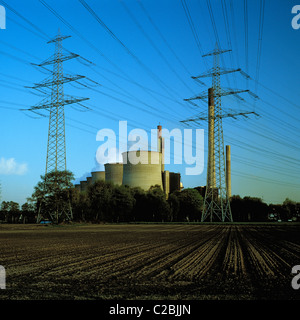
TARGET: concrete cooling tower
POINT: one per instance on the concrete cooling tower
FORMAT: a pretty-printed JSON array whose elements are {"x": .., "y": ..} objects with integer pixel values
[
  {"x": 83, "y": 185},
  {"x": 98, "y": 176},
  {"x": 89, "y": 181},
  {"x": 77, "y": 186},
  {"x": 114, "y": 173},
  {"x": 144, "y": 174},
  {"x": 140, "y": 168}
]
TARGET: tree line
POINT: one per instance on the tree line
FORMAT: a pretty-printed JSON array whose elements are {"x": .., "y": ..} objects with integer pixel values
[{"x": 106, "y": 202}]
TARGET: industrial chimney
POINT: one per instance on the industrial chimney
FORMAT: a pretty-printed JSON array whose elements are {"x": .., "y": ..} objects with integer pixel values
[
  {"x": 211, "y": 172},
  {"x": 228, "y": 172},
  {"x": 161, "y": 147}
]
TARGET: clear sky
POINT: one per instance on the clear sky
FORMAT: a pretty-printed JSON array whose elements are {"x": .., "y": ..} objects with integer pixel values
[{"x": 144, "y": 54}]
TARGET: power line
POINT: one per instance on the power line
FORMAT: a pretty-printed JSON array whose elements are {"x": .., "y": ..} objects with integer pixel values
[
  {"x": 228, "y": 35},
  {"x": 278, "y": 120},
  {"x": 41, "y": 32},
  {"x": 193, "y": 29},
  {"x": 213, "y": 22},
  {"x": 246, "y": 35},
  {"x": 231, "y": 6},
  {"x": 113, "y": 35},
  {"x": 19, "y": 89},
  {"x": 156, "y": 48},
  {"x": 267, "y": 180},
  {"x": 260, "y": 38},
  {"x": 78, "y": 34},
  {"x": 162, "y": 36},
  {"x": 127, "y": 77}
]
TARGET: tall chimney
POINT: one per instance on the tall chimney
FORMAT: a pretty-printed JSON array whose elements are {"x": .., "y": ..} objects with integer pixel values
[
  {"x": 211, "y": 173},
  {"x": 161, "y": 147},
  {"x": 228, "y": 172}
]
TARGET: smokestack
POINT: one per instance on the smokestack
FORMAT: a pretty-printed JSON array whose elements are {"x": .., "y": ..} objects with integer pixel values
[
  {"x": 228, "y": 172},
  {"x": 211, "y": 177},
  {"x": 161, "y": 147},
  {"x": 159, "y": 127}
]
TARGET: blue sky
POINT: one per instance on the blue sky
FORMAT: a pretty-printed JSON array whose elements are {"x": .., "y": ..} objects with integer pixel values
[{"x": 144, "y": 67}]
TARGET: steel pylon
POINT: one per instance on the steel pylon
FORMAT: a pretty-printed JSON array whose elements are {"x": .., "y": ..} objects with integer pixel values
[
  {"x": 216, "y": 201},
  {"x": 56, "y": 145}
]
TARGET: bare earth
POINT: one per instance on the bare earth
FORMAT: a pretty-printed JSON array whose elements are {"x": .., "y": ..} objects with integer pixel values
[{"x": 193, "y": 262}]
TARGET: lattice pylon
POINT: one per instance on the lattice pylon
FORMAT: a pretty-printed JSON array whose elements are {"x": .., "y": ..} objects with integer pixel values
[
  {"x": 56, "y": 147},
  {"x": 55, "y": 103},
  {"x": 216, "y": 201}
]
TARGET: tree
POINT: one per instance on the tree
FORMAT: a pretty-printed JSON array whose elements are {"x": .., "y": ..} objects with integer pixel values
[
  {"x": 139, "y": 211},
  {"x": 290, "y": 208},
  {"x": 237, "y": 208},
  {"x": 174, "y": 206},
  {"x": 248, "y": 209},
  {"x": 123, "y": 202},
  {"x": 158, "y": 208},
  {"x": 4, "y": 210},
  {"x": 256, "y": 209},
  {"x": 10, "y": 211},
  {"x": 80, "y": 205},
  {"x": 190, "y": 205},
  {"x": 27, "y": 213},
  {"x": 100, "y": 201},
  {"x": 52, "y": 195}
]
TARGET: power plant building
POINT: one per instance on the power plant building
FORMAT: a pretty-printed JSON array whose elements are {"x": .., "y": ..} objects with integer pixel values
[
  {"x": 141, "y": 168},
  {"x": 98, "y": 176},
  {"x": 83, "y": 185},
  {"x": 114, "y": 173},
  {"x": 144, "y": 174}
]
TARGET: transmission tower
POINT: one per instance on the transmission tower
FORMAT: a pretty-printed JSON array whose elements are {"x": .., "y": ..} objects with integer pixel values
[
  {"x": 216, "y": 201},
  {"x": 55, "y": 102}
]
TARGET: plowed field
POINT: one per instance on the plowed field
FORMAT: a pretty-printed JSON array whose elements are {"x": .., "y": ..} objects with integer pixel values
[{"x": 229, "y": 261}]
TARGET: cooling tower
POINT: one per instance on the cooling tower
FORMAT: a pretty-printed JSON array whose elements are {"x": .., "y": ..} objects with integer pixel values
[
  {"x": 144, "y": 174},
  {"x": 114, "y": 173},
  {"x": 77, "y": 186},
  {"x": 89, "y": 181},
  {"x": 98, "y": 176},
  {"x": 83, "y": 185}
]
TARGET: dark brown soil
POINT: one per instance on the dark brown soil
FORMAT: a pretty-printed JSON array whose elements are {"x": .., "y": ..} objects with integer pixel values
[{"x": 193, "y": 262}]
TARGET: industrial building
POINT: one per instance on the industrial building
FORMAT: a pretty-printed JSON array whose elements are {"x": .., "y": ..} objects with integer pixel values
[{"x": 149, "y": 171}]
